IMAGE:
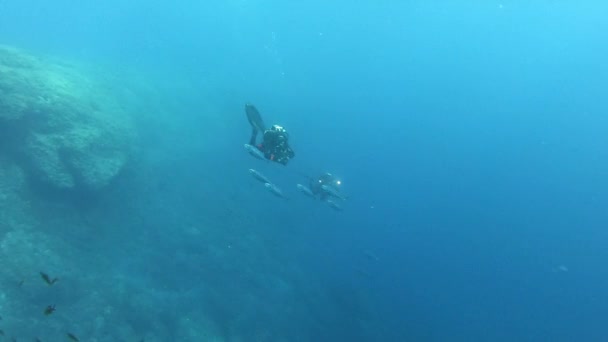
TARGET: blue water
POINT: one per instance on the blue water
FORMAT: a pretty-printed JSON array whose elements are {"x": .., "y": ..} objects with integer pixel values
[{"x": 471, "y": 139}]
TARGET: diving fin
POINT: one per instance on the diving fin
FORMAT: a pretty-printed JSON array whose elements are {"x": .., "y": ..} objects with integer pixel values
[{"x": 254, "y": 117}]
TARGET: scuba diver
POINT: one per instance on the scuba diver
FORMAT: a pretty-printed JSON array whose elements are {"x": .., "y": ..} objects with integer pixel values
[
  {"x": 325, "y": 186},
  {"x": 274, "y": 145}
]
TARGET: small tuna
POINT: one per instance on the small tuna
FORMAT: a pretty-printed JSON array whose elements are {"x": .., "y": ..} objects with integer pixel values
[
  {"x": 306, "y": 191},
  {"x": 370, "y": 255},
  {"x": 335, "y": 206},
  {"x": 274, "y": 190},
  {"x": 49, "y": 310},
  {"x": 257, "y": 175},
  {"x": 254, "y": 151},
  {"x": 48, "y": 279},
  {"x": 72, "y": 337}
]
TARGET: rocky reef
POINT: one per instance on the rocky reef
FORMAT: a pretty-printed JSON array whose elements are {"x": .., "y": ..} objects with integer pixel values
[{"x": 61, "y": 125}]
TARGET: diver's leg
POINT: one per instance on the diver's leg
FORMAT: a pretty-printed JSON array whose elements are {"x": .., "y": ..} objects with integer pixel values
[{"x": 254, "y": 135}]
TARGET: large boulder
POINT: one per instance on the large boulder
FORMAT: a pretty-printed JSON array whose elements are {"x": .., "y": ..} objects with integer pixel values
[{"x": 65, "y": 124}]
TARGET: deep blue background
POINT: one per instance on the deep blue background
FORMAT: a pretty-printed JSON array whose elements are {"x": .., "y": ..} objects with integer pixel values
[{"x": 471, "y": 137}]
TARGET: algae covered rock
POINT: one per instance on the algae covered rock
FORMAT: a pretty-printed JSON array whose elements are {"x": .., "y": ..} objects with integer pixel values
[
  {"x": 13, "y": 205},
  {"x": 66, "y": 124}
]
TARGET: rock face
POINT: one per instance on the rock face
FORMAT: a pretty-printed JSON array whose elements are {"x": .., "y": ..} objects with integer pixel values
[
  {"x": 13, "y": 206},
  {"x": 65, "y": 128}
]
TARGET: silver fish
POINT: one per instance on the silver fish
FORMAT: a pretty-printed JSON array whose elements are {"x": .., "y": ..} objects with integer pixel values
[
  {"x": 257, "y": 175},
  {"x": 306, "y": 191},
  {"x": 370, "y": 255},
  {"x": 274, "y": 190},
  {"x": 254, "y": 151},
  {"x": 332, "y": 192},
  {"x": 335, "y": 206}
]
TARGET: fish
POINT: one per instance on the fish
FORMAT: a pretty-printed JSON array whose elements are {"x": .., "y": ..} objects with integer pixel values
[
  {"x": 257, "y": 175},
  {"x": 1, "y": 332},
  {"x": 49, "y": 310},
  {"x": 48, "y": 279},
  {"x": 332, "y": 192},
  {"x": 370, "y": 255},
  {"x": 335, "y": 206},
  {"x": 306, "y": 191},
  {"x": 72, "y": 337},
  {"x": 274, "y": 190},
  {"x": 255, "y": 152},
  {"x": 363, "y": 272}
]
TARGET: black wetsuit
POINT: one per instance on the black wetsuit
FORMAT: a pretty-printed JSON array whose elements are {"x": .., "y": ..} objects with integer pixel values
[
  {"x": 316, "y": 185},
  {"x": 274, "y": 145}
]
